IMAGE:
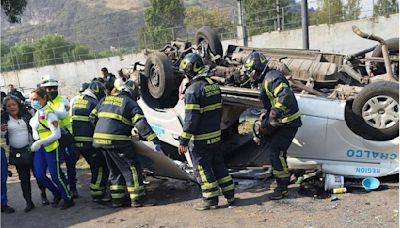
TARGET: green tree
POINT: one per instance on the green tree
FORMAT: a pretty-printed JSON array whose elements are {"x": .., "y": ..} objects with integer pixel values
[
  {"x": 4, "y": 49},
  {"x": 18, "y": 57},
  {"x": 218, "y": 19},
  {"x": 261, "y": 15},
  {"x": 13, "y": 9},
  {"x": 352, "y": 9},
  {"x": 159, "y": 19},
  {"x": 386, "y": 7},
  {"x": 55, "y": 49},
  {"x": 51, "y": 49},
  {"x": 328, "y": 11}
]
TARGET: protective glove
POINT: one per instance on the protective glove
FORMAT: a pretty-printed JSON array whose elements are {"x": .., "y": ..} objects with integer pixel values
[
  {"x": 157, "y": 147},
  {"x": 36, "y": 146}
]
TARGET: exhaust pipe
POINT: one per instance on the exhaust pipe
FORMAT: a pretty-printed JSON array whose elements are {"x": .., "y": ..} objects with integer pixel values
[{"x": 385, "y": 51}]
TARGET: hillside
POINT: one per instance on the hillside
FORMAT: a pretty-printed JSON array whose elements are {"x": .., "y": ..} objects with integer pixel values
[{"x": 99, "y": 24}]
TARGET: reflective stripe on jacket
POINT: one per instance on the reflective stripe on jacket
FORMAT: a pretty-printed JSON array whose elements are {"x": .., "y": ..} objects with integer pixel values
[
  {"x": 203, "y": 112},
  {"x": 277, "y": 96},
  {"x": 116, "y": 116},
  {"x": 82, "y": 128}
]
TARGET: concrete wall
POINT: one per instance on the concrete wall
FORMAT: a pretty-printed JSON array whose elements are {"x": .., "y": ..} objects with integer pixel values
[
  {"x": 69, "y": 74},
  {"x": 337, "y": 38}
]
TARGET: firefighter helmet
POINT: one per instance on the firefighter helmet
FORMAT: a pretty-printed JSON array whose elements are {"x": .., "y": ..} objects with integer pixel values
[{"x": 192, "y": 65}]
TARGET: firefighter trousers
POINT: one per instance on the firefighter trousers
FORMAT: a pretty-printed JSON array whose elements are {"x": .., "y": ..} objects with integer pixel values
[
  {"x": 212, "y": 173},
  {"x": 276, "y": 145},
  {"x": 125, "y": 174},
  {"x": 98, "y": 169}
]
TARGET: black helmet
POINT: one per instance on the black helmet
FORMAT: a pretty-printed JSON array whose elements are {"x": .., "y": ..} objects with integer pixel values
[
  {"x": 254, "y": 63},
  {"x": 97, "y": 88},
  {"x": 133, "y": 89},
  {"x": 83, "y": 86},
  {"x": 192, "y": 65}
]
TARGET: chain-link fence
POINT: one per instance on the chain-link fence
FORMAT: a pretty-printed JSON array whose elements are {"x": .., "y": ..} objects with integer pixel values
[{"x": 275, "y": 18}]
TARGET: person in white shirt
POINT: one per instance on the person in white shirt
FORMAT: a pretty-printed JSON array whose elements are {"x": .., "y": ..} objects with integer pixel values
[
  {"x": 18, "y": 133},
  {"x": 46, "y": 131}
]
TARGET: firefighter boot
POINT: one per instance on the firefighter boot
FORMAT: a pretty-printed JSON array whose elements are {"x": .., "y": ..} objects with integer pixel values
[
  {"x": 281, "y": 191},
  {"x": 203, "y": 205},
  {"x": 143, "y": 203},
  {"x": 102, "y": 199},
  {"x": 231, "y": 201}
]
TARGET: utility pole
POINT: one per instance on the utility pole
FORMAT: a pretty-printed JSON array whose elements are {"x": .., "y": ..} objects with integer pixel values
[
  {"x": 241, "y": 28},
  {"x": 304, "y": 24},
  {"x": 278, "y": 19}
]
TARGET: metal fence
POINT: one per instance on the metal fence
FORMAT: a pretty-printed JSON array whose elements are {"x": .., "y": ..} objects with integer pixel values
[{"x": 280, "y": 18}]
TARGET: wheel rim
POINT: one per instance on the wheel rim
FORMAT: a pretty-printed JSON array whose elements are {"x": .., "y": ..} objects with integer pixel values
[
  {"x": 154, "y": 76},
  {"x": 381, "y": 112},
  {"x": 205, "y": 50}
]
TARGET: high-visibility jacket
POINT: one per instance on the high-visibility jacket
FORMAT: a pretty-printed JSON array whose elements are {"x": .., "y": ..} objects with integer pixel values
[
  {"x": 115, "y": 116},
  {"x": 203, "y": 112},
  {"x": 66, "y": 122},
  {"x": 277, "y": 96},
  {"x": 44, "y": 131},
  {"x": 82, "y": 127}
]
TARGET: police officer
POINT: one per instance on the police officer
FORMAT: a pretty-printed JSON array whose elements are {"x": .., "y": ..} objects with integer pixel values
[
  {"x": 115, "y": 117},
  {"x": 83, "y": 130},
  {"x": 280, "y": 119},
  {"x": 46, "y": 131},
  {"x": 61, "y": 107},
  {"x": 203, "y": 111}
]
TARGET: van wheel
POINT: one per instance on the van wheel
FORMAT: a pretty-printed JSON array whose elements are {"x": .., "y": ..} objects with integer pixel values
[
  {"x": 158, "y": 86},
  {"x": 376, "y": 111},
  {"x": 208, "y": 41}
]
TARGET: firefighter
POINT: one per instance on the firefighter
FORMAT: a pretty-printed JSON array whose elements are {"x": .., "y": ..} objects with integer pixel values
[
  {"x": 82, "y": 87},
  {"x": 280, "y": 118},
  {"x": 61, "y": 106},
  {"x": 114, "y": 118},
  {"x": 83, "y": 130},
  {"x": 202, "y": 133}
]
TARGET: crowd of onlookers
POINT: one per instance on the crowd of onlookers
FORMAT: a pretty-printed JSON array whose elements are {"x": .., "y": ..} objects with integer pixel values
[{"x": 18, "y": 134}]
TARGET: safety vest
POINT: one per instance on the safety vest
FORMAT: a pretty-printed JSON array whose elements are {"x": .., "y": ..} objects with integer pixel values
[
  {"x": 44, "y": 131},
  {"x": 66, "y": 122},
  {"x": 203, "y": 104},
  {"x": 82, "y": 128}
]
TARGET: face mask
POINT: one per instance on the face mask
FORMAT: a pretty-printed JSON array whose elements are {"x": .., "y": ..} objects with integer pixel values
[
  {"x": 53, "y": 94},
  {"x": 36, "y": 105}
]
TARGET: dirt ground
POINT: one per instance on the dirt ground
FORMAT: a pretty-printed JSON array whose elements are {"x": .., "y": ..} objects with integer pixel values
[{"x": 176, "y": 198}]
